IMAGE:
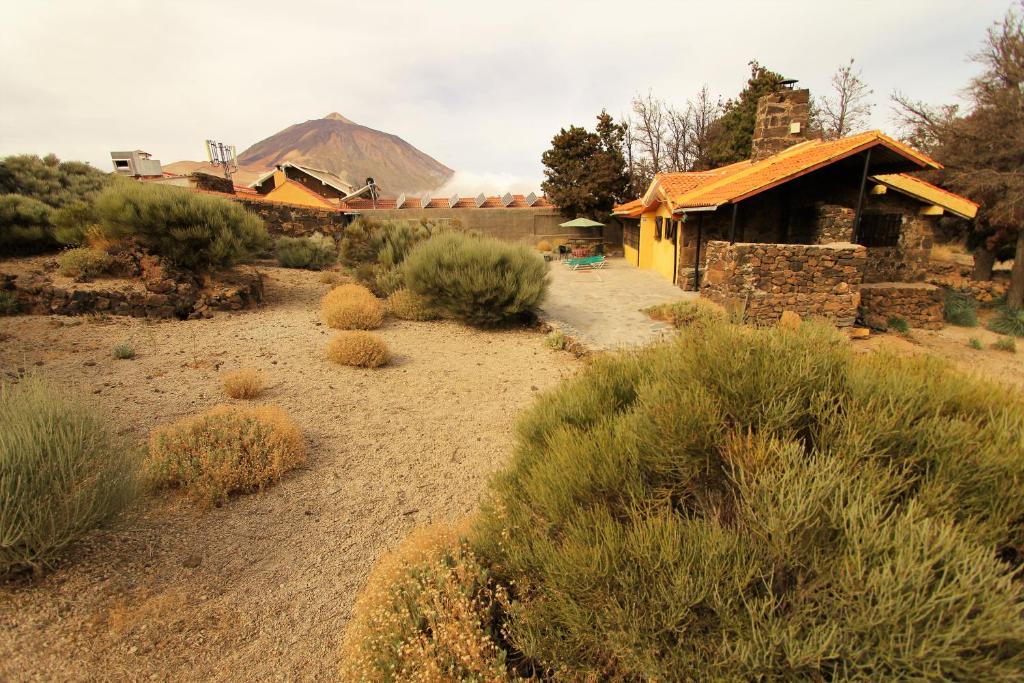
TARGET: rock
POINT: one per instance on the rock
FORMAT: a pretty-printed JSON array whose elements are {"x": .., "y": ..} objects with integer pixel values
[
  {"x": 789, "y": 320},
  {"x": 859, "y": 332}
]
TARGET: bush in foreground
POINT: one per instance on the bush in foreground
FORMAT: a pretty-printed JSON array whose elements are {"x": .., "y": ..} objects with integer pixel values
[
  {"x": 691, "y": 312},
  {"x": 478, "y": 280},
  {"x": 960, "y": 310},
  {"x": 428, "y": 613},
  {"x": 1008, "y": 321},
  {"x": 745, "y": 504},
  {"x": 84, "y": 262},
  {"x": 244, "y": 384},
  {"x": 407, "y": 305},
  {"x": 192, "y": 230},
  {"x": 352, "y": 307},
  {"x": 24, "y": 225},
  {"x": 359, "y": 349},
  {"x": 230, "y": 449},
  {"x": 61, "y": 473},
  {"x": 313, "y": 253}
]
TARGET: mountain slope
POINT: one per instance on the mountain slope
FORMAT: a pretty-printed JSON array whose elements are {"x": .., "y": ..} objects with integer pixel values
[{"x": 351, "y": 151}]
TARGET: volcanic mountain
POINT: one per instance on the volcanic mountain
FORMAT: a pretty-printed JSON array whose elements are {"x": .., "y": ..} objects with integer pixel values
[{"x": 353, "y": 152}]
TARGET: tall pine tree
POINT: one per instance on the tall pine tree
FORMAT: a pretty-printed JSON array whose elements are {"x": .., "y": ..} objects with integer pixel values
[{"x": 586, "y": 171}]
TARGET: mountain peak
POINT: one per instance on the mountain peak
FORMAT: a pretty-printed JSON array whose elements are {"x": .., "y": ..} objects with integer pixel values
[{"x": 335, "y": 116}]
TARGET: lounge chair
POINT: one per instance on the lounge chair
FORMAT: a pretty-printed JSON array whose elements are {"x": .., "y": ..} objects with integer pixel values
[{"x": 586, "y": 263}]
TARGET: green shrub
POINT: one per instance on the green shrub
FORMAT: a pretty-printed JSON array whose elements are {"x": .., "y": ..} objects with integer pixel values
[
  {"x": 406, "y": 305},
  {"x": 70, "y": 222},
  {"x": 124, "y": 352},
  {"x": 479, "y": 280},
  {"x": 357, "y": 245},
  {"x": 192, "y": 230},
  {"x": 556, "y": 340},
  {"x": 1008, "y": 321},
  {"x": 83, "y": 262},
  {"x": 314, "y": 253},
  {"x": 24, "y": 225},
  {"x": 61, "y": 473},
  {"x": 686, "y": 313},
  {"x": 1005, "y": 344},
  {"x": 8, "y": 303},
  {"x": 227, "y": 450},
  {"x": 748, "y": 504},
  {"x": 960, "y": 310},
  {"x": 899, "y": 325},
  {"x": 975, "y": 343},
  {"x": 49, "y": 180}
]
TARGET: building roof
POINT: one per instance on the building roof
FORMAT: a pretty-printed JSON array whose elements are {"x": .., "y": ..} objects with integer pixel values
[
  {"x": 325, "y": 177},
  {"x": 926, "y": 192},
  {"x": 389, "y": 203},
  {"x": 707, "y": 190}
]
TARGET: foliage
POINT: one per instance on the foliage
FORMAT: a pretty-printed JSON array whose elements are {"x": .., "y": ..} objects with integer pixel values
[
  {"x": 556, "y": 340},
  {"x": 8, "y": 303},
  {"x": 407, "y": 305},
  {"x": 84, "y": 262},
  {"x": 314, "y": 253},
  {"x": 974, "y": 343},
  {"x": 1008, "y": 321},
  {"x": 351, "y": 307},
  {"x": 898, "y": 324},
  {"x": 24, "y": 225},
  {"x": 428, "y": 613},
  {"x": 124, "y": 352},
  {"x": 543, "y": 245},
  {"x": 1005, "y": 344},
  {"x": 765, "y": 505},
  {"x": 72, "y": 221},
  {"x": 245, "y": 383},
  {"x": 960, "y": 310},
  {"x": 61, "y": 473},
  {"x": 194, "y": 231},
  {"x": 377, "y": 249},
  {"x": 358, "y": 348},
  {"x": 585, "y": 172},
  {"x": 226, "y": 450},
  {"x": 730, "y": 137},
  {"x": 49, "y": 180},
  {"x": 479, "y": 280},
  {"x": 692, "y": 312}
]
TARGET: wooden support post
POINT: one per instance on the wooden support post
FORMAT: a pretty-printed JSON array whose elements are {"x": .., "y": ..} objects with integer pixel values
[
  {"x": 860, "y": 197},
  {"x": 732, "y": 226}
]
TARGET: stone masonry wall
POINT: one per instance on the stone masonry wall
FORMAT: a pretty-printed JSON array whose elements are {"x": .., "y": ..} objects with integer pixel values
[
  {"x": 834, "y": 223},
  {"x": 767, "y": 279},
  {"x": 918, "y": 303},
  {"x": 775, "y": 113},
  {"x": 296, "y": 221}
]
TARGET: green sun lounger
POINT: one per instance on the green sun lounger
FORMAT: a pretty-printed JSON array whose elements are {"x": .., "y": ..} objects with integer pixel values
[{"x": 585, "y": 263}]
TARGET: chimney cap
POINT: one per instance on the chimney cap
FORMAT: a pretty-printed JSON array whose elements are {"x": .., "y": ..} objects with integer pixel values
[{"x": 788, "y": 83}]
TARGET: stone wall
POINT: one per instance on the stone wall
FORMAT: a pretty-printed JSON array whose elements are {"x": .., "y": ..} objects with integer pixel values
[
  {"x": 528, "y": 225},
  {"x": 767, "y": 279},
  {"x": 296, "y": 221},
  {"x": 833, "y": 223},
  {"x": 212, "y": 183},
  {"x": 908, "y": 260},
  {"x": 918, "y": 303}
]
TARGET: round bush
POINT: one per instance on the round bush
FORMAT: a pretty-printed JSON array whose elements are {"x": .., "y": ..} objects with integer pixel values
[
  {"x": 84, "y": 262},
  {"x": 361, "y": 349},
  {"x": 194, "y": 231},
  {"x": 543, "y": 245},
  {"x": 314, "y": 253},
  {"x": 227, "y": 450},
  {"x": 427, "y": 614},
  {"x": 245, "y": 383},
  {"x": 744, "y": 504},
  {"x": 408, "y": 305},
  {"x": 352, "y": 307},
  {"x": 24, "y": 225},
  {"x": 62, "y": 473},
  {"x": 479, "y": 280}
]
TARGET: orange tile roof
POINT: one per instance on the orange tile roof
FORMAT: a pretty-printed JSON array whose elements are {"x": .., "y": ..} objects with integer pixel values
[
  {"x": 738, "y": 181},
  {"x": 926, "y": 192}
]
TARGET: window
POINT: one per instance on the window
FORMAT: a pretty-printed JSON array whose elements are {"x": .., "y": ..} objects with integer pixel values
[
  {"x": 658, "y": 222},
  {"x": 880, "y": 229}
]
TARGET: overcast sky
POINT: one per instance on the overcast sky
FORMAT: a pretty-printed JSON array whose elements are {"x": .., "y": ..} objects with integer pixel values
[{"x": 480, "y": 86}]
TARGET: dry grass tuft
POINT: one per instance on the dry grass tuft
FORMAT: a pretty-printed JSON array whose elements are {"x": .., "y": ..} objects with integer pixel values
[
  {"x": 687, "y": 313},
  {"x": 407, "y": 305},
  {"x": 245, "y": 383},
  {"x": 543, "y": 245},
  {"x": 329, "y": 277},
  {"x": 352, "y": 307},
  {"x": 429, "y": 612},
  {"x": 229, "y": 449},
  {"x": 361, "y": 349}
]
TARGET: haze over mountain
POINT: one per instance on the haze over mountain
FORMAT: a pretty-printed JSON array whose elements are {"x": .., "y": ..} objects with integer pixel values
[{"x": 351, "y": 151}]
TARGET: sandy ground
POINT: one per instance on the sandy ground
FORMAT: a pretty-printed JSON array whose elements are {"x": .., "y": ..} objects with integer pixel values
[{"x": 261, "y": 588}]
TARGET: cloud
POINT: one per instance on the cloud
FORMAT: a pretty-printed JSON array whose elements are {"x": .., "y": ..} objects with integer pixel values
[{"x": 468, "y": 184}]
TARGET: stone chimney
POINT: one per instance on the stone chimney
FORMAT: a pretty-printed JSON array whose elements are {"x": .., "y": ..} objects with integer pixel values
[{"x": 781, "y": 122}]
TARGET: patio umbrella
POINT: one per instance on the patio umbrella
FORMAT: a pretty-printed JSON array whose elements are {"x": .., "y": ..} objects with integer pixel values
[{"x": 581, "y": 223}]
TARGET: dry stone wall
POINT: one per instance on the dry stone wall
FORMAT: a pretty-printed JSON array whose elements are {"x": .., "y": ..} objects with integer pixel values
[
  {"x": 767, "y": 279},
  {"x": 295, "y": 221},
  {"x": 919, "y": 303}
]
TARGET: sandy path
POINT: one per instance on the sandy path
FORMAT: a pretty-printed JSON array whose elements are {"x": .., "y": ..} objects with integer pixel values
[{"x": 277, "y": 572}]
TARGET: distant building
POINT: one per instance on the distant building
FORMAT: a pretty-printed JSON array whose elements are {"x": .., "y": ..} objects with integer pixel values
[
  {"x": 298, "y": 184},
  {"x": 136, "y": 164}
]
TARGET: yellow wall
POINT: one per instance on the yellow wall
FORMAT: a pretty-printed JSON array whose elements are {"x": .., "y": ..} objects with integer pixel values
[
  {"x": 631, "y": 254},
  {"x": 292, "y": 193},
  {"x": 656, "y": 255}
]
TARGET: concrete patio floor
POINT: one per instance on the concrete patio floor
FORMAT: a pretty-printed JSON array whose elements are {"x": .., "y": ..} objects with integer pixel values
[{"x": 601, "y": 309}]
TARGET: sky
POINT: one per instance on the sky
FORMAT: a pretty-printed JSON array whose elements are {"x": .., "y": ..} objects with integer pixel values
[{"x": 480, "y": 86}]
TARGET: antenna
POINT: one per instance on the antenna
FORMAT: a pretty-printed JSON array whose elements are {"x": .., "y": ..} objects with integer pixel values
[{"x": 223, "y": 155}]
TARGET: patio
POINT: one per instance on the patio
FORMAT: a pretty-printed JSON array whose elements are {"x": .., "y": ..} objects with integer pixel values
[{"x": 601, "y": 309}]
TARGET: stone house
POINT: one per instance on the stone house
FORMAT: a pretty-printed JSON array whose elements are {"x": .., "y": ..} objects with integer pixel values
[{"x": 824, "y": 228}]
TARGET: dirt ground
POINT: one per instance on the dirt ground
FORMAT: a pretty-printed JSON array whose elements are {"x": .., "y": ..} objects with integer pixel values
[{"x": 261, "y": 588}]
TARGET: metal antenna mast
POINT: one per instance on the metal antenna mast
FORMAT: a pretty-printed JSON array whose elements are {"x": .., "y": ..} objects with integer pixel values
[{"x": 223, "y": 155}]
